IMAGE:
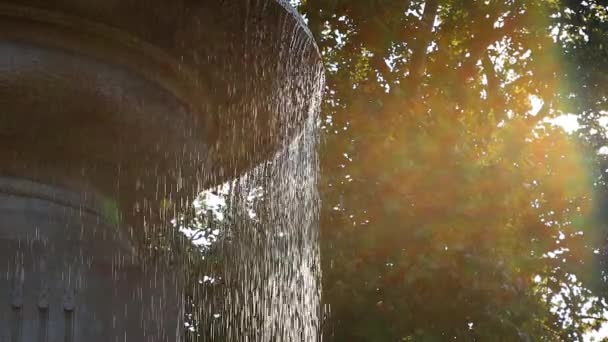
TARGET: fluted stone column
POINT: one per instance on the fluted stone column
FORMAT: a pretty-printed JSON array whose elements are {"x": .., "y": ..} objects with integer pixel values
[{"x": 69, "y": 274}]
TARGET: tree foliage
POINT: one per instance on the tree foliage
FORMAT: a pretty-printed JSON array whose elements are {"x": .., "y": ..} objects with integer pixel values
[{"x": 452, "y": 207}]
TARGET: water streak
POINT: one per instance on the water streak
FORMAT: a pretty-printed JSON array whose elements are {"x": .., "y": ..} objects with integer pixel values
[{"x": 260, "y": 278}]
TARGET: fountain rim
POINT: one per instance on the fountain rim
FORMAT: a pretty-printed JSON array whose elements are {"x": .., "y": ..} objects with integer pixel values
[
  {"x": 290, "y": 9},
  {"x": 81, "y": 203},
  {"x": 86, "y": 202},
  {"x": 97, "y": 40},
  {"x": 147, "y": 53}
]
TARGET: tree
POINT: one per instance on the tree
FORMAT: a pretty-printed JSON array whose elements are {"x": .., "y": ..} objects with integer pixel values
[{"x": 452, "y": 208}]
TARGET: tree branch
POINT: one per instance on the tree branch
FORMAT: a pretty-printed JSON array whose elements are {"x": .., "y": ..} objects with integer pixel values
[
  {"x": 495, "y": 97},
  {"x": 601, "y": 319},
  {"x": 419, "y": 54},
  {"x": 483, "y": 42}
]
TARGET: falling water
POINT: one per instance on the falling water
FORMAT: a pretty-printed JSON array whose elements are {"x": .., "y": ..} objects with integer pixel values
[
  {"x": 255, "y": 272},
  {"x": 260, "y": 273}
]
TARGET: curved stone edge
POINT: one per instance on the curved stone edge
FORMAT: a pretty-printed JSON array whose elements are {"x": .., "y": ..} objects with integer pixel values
[
  {"x": 96, "y": 35},
  {"x": 298, "y": 17},
  {"x": 272, "y": 15}
]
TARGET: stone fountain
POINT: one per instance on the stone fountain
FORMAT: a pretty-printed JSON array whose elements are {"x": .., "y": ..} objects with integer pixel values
[{"x": 113, "y": 115}]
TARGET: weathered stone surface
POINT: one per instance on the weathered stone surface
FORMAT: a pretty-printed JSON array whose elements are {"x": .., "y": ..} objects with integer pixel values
[
  {"x": 113, "y": 114},
  {"x": 67, "y": 269}
]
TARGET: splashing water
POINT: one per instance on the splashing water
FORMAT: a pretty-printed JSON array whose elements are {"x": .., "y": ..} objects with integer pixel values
[
  {"x": 256, "y": 273},
  {"x": 260, "y": 278}
]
